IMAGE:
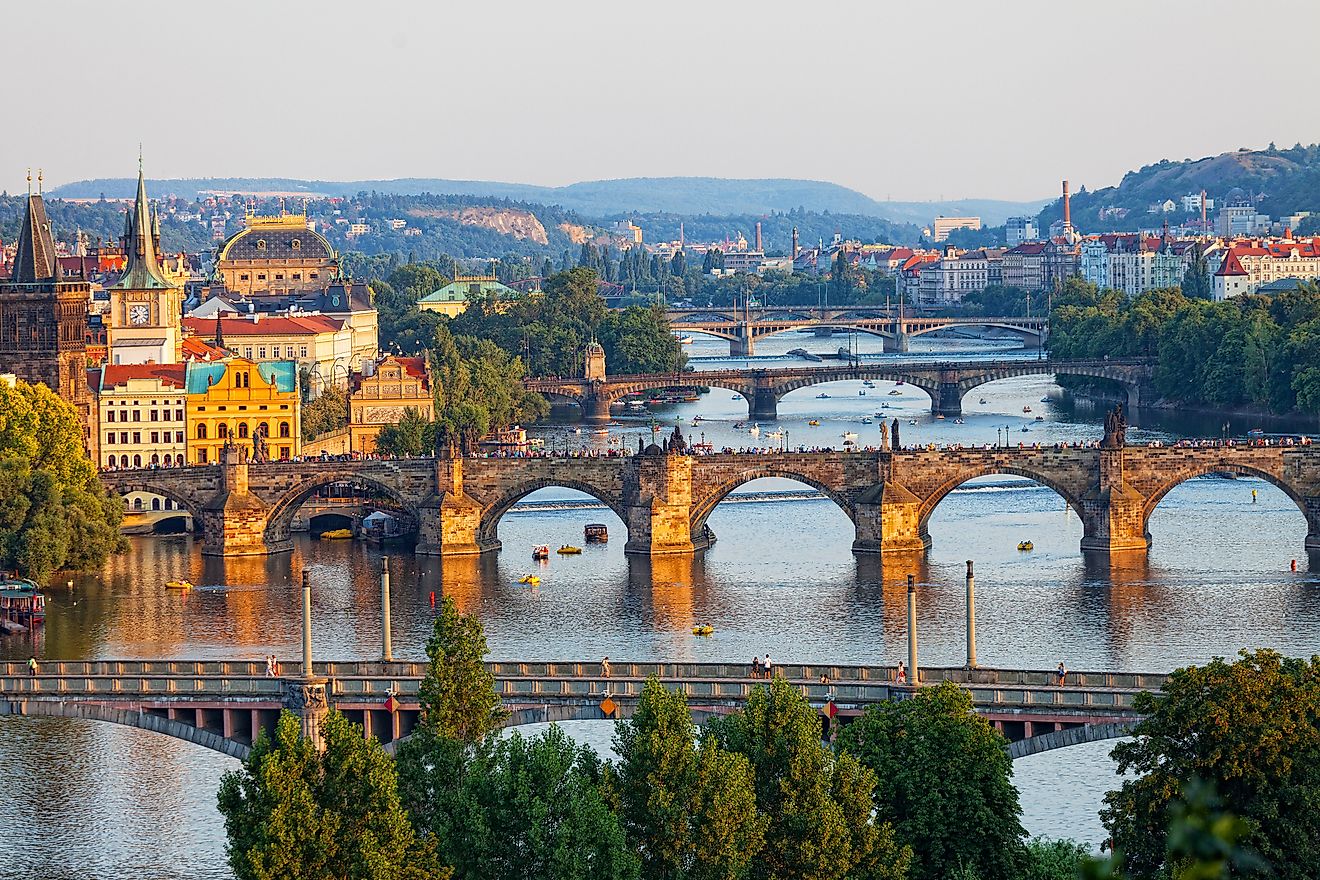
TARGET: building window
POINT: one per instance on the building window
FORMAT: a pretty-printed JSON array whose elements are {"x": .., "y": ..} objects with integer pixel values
[
  {"x": 201, "y": 456},
  {"x": 123, "y": 438},
  {"x": 155, "y": 415},
  {"x": 261, "y": 277},
  {"x": 155, "y": 462},
  {"x": 165, "y": 414},
  {"x": 302, "y": 351},
  {"x": 261, "y": 246},
  {"x": 279, "y": 276},
  {"x": 155, "y": 436},
  {"x": 109, "y": 415},
  {"x": 243, "y": 277},
  {"x": 137, "y": 415},
  {"x": 288, "y": 352},
  {"x": 137, "y": 438},
  {"x": 201, "y": 431},
  {"x": 221, "y": 431},
  {"x": 178, "y": 459},
  {"x": 178, "y": 438},
  {"x": 137, "y": 462},
  {"x": 284, "y": 429},
  {"x": 178, "y": 415},
  {"x": 247, "y": 353},
  {"x": 261, "y": 352},
  {"x": 297, "y": 276},
  {"x": 242, "y": 430},
  {"x": 110, "y": 439},
  {"x": 284, "y": 453},
  {"x": 316, "y": 275},
  {"x": 296, "y": 244}
]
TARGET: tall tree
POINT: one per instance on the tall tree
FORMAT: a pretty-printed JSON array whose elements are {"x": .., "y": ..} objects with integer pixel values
[
  {"x": 54, "y": 512},
  {"x": 689, "y": 811},
  {"x": 945, "y": 782},
  {"x": 412, "y": 436},
  {"x": 293, "y": 813},
  {"x": 819, "y": 805},
  {"x": 1248, "y": 728},
  {"x": 1197, "y": 283}
]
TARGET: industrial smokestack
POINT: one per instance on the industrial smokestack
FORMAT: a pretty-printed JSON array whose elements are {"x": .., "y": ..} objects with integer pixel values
[
  {"x": 1067, "y": 210},
  {"x": 1203, "y": 226},
  {"x": 795, "y": 243},
  {"x": 758, "y": 236}
]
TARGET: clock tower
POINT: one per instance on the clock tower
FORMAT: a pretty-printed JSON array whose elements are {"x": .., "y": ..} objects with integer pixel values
[{"x": 146, "y": 306}]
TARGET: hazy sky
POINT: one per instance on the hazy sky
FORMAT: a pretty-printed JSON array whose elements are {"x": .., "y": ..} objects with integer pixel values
[{"x": 912, "y": 100}]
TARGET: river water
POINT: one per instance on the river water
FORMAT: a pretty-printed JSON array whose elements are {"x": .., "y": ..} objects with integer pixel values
[{"x": 95, "y": 800}]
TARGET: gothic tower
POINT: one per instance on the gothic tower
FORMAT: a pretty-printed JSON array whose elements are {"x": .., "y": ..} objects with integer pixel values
[
  {"x": 146, "y": 307},
  {"x": 43, "y": 320}
]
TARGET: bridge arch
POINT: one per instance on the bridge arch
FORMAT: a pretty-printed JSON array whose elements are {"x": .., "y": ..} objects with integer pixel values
[
  {"x": 494, "y": 511},
  {"x": 1021, "y": 330},
  {"x": 280, "y": 518},
  {"x": 141, "y": 482},
  {"x": 1225, "y": 465},
  {"x": 837, "y": 327},
  {"x": 702, "y": 509},
  {"x": 92, "y": 711},
  {"x": 1072, "y": 736},
  {"x": 931, "y": 501}
]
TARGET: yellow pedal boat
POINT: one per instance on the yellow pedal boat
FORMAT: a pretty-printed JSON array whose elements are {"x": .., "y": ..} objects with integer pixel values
[
  {"x": 568, "y": 550},
  {"x": 178, "y": 585}
]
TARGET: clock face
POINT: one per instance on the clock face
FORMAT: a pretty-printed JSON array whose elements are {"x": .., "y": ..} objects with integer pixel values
[{"x": 139, "y": 314}]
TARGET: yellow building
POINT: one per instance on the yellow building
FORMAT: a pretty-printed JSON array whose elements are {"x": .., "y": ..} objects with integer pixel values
[
  {"x": 322, "y": 344},
  {"x": 236, "y": 400},
  {"x": 141, "y": 411},
  {"x": 379, "y": 395},
  {"x": 276, "y": 256}
]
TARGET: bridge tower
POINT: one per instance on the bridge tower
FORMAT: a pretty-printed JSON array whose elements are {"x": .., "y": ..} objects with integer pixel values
[
  {"x": 1113, "y": 513},
  {"x": 595, "y": 405},
  {"x": 234, "y": 521}
]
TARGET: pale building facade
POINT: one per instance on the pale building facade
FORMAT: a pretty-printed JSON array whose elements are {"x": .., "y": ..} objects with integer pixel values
[
  {"x": 142, "y": 415},
  {"x": 381, "y": 393}
]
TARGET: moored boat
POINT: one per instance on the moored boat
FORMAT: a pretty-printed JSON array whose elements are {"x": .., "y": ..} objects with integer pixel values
[
  {"x": 595, "y": 533},
  {"x": 541, "y": 551}
]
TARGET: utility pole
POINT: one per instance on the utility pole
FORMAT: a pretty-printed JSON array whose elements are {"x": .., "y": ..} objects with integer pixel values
[
  {"x": 387, "y": 650},
  {"x": 912, "y": 631},
  {"x": 971, "y": 617}
]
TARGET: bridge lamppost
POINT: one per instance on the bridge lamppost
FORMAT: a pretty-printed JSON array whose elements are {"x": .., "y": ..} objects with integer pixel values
[{"x": 913, "y": 671}]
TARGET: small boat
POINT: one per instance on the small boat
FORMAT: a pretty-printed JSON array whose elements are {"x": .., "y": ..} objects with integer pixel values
[
  {"x": 738, "y": 426},
  {"x": 899, "y": 382},
  {"x": 868, "y": 383},
  {"x": 1025, "y": 429},
  {"x": 822, "y": 396},
  {"x": 735, "y": 397},
  {"x": 530, "y": 580},
  {"x": 1040, "y": 418},
  {"x": 703, "y": 629},
  {"x": 883, "y": 406},
  {"x": 775, "y": 435},
  {"x": 595, "y": 533},
  {"x": 1025, "y": 545},
  {"x": 1044, "y": 400},
  {"x": 982, "y": 401},
  {"x": 912, "y": 421},
  {"x": 1026, "y": 409},
  {"x": 815, "y": 423},
  {"x": 697, "y": 419},
  {"x": 569, "y": 550},
  {"x": 959, "y": 422},
  {"x": 849, "y": 435},
  {"x": 1256, "y": 432},
  {"x": 685, "y": 340},
  {"x": 655, "y": 429},
  {"x": 337, "y": 535},
  {"x": 696, "y": 423},
  {"x": 178, "y": 585},
  {"x": 754, "y": 430},
  {"x": 861, "y": 393},
  {"x": 601, "y": 432},
  {"x": 541, "y": 551},
  {"x": 894, "y": 392},
  {"x": 867, "y": 420},
  {"x": 939, "y": 417}
]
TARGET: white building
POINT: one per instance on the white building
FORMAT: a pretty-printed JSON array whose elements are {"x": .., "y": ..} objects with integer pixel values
[
  {"x": 1020, "y": 229},
  {"x": 1249, "y": 264},
  {"x": 942, "y": 226}
]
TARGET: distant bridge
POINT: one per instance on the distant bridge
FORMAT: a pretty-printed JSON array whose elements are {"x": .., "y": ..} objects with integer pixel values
[
  {"x": 223, "y": 705},
  {"x": 743, "y": 326},
  {"x": 944, "y": 381}
]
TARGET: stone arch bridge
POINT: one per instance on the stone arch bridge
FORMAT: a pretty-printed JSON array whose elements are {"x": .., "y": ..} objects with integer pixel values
[
  {"x": 946, "y": 382},
  {"x": 665, "y": 498},
  {"x": 224, "y": 705},
  {"x": 742, "y": 326}
]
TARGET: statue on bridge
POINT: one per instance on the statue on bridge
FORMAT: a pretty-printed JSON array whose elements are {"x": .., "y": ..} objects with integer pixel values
[
  {"x": 1115, "y": 429},
  {"x": 897, "y": 445},
  {"x": 884, "y": 435},
  {"x": 677, "y": 445},
  {"x": 260, "y": 451}
]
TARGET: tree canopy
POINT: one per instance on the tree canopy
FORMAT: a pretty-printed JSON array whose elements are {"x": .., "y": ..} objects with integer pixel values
[
  {"x": 1247, "y": 728},
  {"x": 478, "y": 387},
  {"x": 944, "y": 782},
  {"x": 54, "y": 512}
]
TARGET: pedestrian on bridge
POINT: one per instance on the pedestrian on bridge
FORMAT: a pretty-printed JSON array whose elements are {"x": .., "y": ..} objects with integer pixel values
[
  {"x": 605, "y": 667},
  {"x": 32, "y": 666},
  {"x": 900, "y": 676},
  {"x": 1061, "y": 673},
  {"x": 768, "y": 669},
  {"x": 270, "y": 665},
  {"x": 756, "y": 666}
]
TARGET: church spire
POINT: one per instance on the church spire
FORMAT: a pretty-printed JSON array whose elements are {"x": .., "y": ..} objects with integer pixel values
[
  {"x": 143, "y": 270},
  {"x": 34, "y": 261}
]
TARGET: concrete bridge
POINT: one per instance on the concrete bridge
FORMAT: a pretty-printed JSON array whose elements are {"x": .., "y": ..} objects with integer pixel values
[
  {"x": 223, "y": 705},
  {"x": 664, "y": 498},
  {"x": 945, "y": 381},
  {"x": 743, "y": 326}
]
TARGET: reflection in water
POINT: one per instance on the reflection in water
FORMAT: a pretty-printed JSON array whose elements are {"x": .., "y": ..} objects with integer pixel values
[{"x": 782, "y": 578}]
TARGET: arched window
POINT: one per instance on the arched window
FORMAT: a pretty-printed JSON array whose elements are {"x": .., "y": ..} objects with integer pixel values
[
  {"x": 242, "y": 430},
  {"x": 284, "y": 429},
  {"x": 222, "y": 431},
  {"x": 263, "y": 429},
  {"x": 201, "y": 431},
  {"x": 155, "y": 504},
  {"x": 123, "y": 461},
  {"x": 137, "y": 503},
  {"x": 137, "y": 461},
  {"x": 178, "y": 459},
  {"x": 155, "y": 459}
]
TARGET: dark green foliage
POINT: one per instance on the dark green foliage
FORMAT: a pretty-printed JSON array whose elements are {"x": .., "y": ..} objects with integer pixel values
[
  {"x": 328, "y": 412},
  {"x": 819, "y": 805},
  {"x": 1256, "y": 351},
  {"x": 457, "y": 695},
  {"x": 291, "y": 813},
  {"x": 54, "y": 512},
  {"x": 478, "y": 388},
  {"x": 1054, "y": 859},
  {"x": 413, "y": 436},
  {"x": 1197, "y": 283},
  {"x": 688, "y": 810},
  {"x": 1248, "y": 728},
  {"x": 944, "y": 782}
]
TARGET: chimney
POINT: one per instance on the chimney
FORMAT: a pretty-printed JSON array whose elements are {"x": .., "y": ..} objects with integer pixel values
[
  {"x": 758, "y": 237},
  {"x": 1067, "y": 210},
  {"x": 1203, "y": 226},
  {"x": 795, "y": 242}
]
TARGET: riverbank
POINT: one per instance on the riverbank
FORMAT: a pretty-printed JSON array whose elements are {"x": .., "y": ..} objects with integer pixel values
[{"x": 1295, "y": 423}]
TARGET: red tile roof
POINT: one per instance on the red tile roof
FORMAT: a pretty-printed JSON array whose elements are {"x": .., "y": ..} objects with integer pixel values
[
  {"x": 196, "y": 349},
  {"x": 171, "y": 375},
  {"x": 1231, "y": 264},
  {"x": 303, "y": 325}
]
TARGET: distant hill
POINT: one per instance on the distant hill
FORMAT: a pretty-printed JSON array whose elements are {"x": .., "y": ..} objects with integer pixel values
[
  {"x": 1278, "y": 182},
  {"x": 597, "y": 198}
]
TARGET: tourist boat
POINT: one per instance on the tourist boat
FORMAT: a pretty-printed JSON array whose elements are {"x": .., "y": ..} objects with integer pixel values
[
  {"x": 21, "y": 603},
  {"x": 738, "y": 426},
  {"x": 541, "y": 551},
  {"x": 178, "y": 585},
  {"x": 912, "y": 421},
  {"x": 849, "y": 435},
  {"x": 636, "y": 405},
  {"x": 894, "y": 392},
  {"x": 1256, "y": 432},
  {"x": 337, "y": 535},
  {"x": 815, "y": 423},
  {"x": 1025, "y": 545},
  {"x": 861, "y": 393},
  {"x": 868, "y": 383},
  {"x": 530, "y": 580},
  {"x": 883, "y": 406},
  {"x": 702, "y": 629},
  {"x": 939, "y": 417},
  {"x": 982, "y": 401},
  {"x": 1026, "y": 409},
  {"x": 595, "y": 533},
  {"x": 735, "y": 397},
  {"x": 655, "y": 429},
  {"x": 899, "y": 382},
  {"x": 1044, "y": 400},
  {"x": 1040, "y": 418},
  {"x": 867, "y": 420},
  {"x": 685, "y": 340},
  {"x": 959, "y": 422},
  {"x": 569, "y": 550},
  {"x": 698, "y": 419},
  {"x": 822, "y": 396},
  {"x": 1025, "y": 429}
]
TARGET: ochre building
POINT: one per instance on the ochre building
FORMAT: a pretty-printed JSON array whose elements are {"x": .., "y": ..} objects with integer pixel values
[
  {"x": 236, "y": 399},
  {"x": 379, "y": 395},
  {"x": 276, "y": 256}
]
